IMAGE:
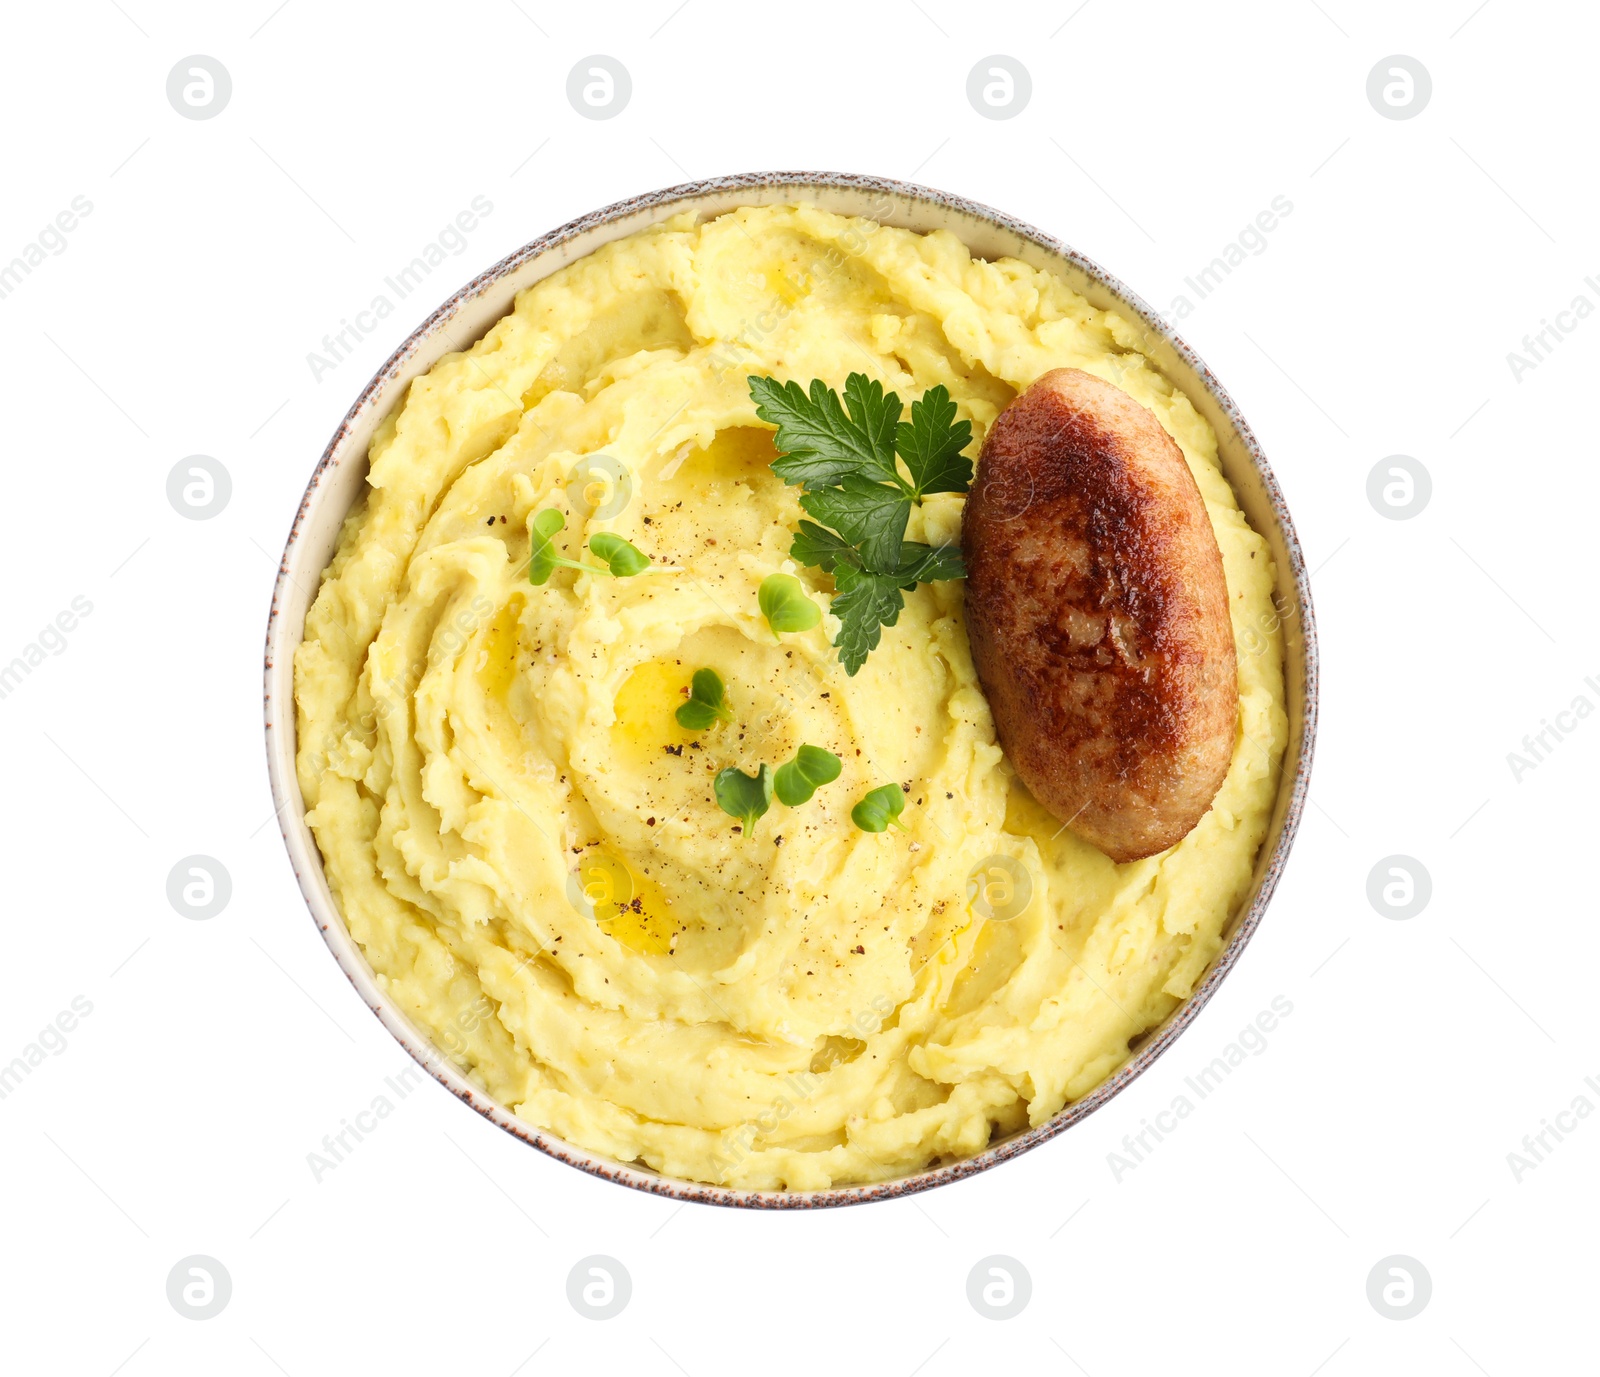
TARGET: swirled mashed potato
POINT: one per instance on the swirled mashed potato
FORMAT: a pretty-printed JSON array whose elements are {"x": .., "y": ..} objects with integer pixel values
[{"x": 526, "y": 844}]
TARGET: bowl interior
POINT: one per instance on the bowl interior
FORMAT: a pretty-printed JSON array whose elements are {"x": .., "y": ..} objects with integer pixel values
[{"x": 339, "y": 476}]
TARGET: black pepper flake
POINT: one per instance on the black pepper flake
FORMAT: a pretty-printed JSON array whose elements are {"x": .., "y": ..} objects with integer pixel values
[
  {"x": 673, "y": 750},
  {"x": 858, "y": 951},
  {"x": 649, "y": 822}
]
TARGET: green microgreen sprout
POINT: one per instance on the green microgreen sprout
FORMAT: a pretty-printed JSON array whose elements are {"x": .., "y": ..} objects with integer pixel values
[
  {"x": 785, "y": 605},
  {"x": 708, "y": 703},
  {"x": 812, "y": 767},
  {"x": 623, "y": 559},
  {"x": 880, "y": 809},
  {"x": 746, "y": 797}
]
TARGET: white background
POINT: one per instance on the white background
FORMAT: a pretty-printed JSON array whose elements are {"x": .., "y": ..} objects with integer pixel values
[{"x": 1378, "y": 320}]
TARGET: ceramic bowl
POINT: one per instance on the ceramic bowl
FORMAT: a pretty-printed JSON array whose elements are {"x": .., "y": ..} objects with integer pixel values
[{"x": 337, "y": 481}]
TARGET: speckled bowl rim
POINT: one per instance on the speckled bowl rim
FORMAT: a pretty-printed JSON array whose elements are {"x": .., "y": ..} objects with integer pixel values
[{"x": 283, "y": 638}]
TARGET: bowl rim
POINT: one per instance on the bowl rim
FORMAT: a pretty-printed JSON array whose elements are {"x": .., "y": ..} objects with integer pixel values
[{"x": 306, "y": 859}]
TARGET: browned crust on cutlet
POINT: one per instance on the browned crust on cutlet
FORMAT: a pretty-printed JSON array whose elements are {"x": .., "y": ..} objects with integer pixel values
[{"x": 1097, "y": 611}]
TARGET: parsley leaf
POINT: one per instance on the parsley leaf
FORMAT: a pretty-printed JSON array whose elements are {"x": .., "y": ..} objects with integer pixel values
[
  {"x": 864, "y": 604},
  {"x": 819, "y": 443},
  {"x": 822, "y": 548},
  {"x": 879, "y": 418},
  {"x": 931, "y": 443},
  {"x": 929, "y": 564},
  {"x": 871, "y": 516}
]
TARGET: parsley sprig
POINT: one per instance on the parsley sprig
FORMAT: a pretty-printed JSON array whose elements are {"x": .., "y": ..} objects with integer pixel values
[{"x": 847, "y": 458}]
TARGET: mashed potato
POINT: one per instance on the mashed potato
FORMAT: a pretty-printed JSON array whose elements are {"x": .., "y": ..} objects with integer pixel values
[{"x": 525, "y": 842}]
